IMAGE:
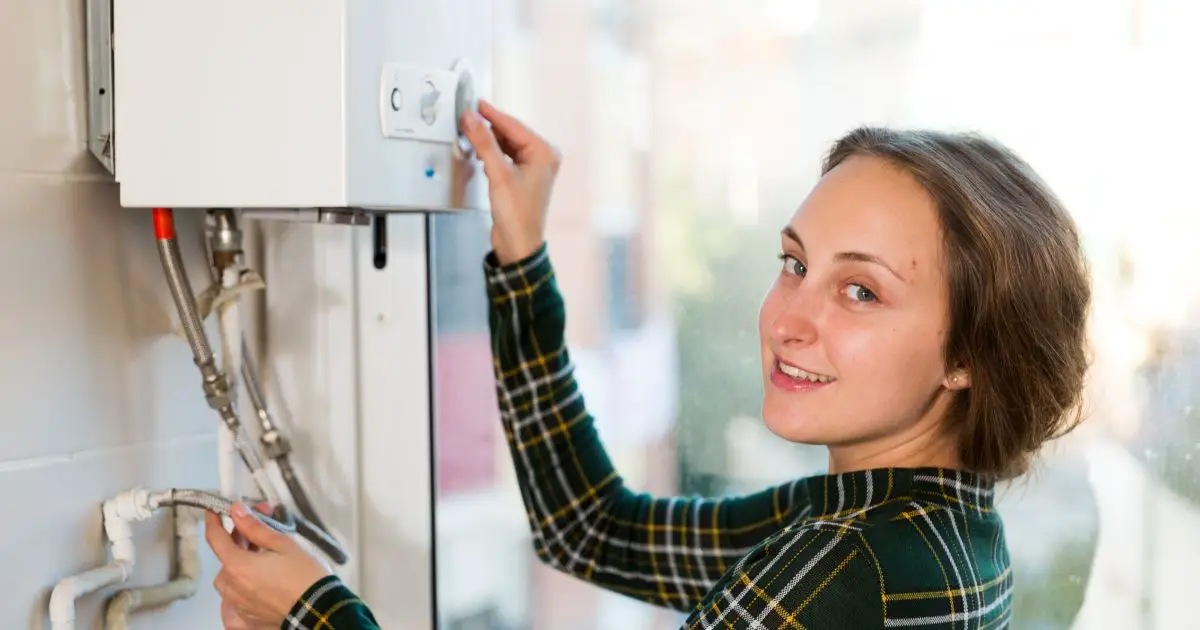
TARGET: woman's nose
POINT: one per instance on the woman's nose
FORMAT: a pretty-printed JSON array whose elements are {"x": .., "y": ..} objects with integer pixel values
[{"x": 796, "y": 321}]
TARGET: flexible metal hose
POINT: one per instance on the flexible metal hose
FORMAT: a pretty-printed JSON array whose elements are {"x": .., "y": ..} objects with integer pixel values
[
  {"x": 281, "y": 521},
  {"x": 216, "y": 386},
  {"x": 309, "y": 525},
  {"x": 318, "y": 537},
  {"x": 224, "y": 248},
  {"x": 216, "y": 389},
  {"x": 254, "y": 388},
  {"x": 274, "y": 442},
  {"x": 224, "y": 245},
  {"x": 298, "y": 494},
  {"x": 181, "y": 291}
]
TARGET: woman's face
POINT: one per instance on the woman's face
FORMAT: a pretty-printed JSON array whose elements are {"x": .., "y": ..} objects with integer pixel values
[{"x": 853, "y": 328}]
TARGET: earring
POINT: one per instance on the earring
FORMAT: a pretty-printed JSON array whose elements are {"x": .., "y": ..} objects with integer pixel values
[{"x": 954, "y": 379}]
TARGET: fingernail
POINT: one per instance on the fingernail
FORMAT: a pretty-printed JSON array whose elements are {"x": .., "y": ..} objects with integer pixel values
[
  {"x": 241, "y": 509},
  {"x": 471, "y": 120}
]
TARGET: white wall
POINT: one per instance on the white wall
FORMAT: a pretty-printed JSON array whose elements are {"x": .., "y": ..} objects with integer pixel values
[{"x": 97, "y": 395}]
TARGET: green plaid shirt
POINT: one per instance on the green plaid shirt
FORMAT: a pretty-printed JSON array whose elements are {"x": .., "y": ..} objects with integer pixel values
[{"x": 908, "y": 548}]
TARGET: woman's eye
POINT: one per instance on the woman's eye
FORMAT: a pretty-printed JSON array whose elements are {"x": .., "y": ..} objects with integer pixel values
[
  {"x": 859, "y": 293},
  {"x": 792, "y": 265}
]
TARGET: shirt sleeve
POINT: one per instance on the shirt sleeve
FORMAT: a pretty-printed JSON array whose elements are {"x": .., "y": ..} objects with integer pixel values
[
  {"x": 329, "y": 605},
  {"x": 813, "y": 578},
  {"x": 584, "y": 521}
]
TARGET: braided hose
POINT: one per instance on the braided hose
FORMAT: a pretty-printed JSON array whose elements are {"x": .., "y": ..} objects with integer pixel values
[
  {"x": 298, "y": 494},
  {"x": 216, "y": 386},
  {"x": 281, "y": 521},
  {"x": 321, "y": 540},
  {"x": 181, "y": 289},
  {"x": 216, "y": 389}
]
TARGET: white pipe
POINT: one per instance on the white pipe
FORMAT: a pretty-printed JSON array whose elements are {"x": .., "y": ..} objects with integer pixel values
[
  {"x": 228, "y": 316},
  {"x": 131, "y": 505},
  {"x": 230, "y": 329},
  {"x": 62, "y": 599},
  {"x": 183, "y": 586}
]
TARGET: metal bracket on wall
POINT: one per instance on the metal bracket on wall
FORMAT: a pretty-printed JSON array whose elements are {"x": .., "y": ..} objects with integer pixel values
[{"x": 100, "y": 82}]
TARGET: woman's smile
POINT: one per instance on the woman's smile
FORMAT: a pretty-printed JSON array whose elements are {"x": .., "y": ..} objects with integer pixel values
[{"x": 792, "y": 378}]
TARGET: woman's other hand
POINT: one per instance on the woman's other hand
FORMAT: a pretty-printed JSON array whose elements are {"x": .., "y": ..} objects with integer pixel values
[
  {"x": 263, "y": 572},
  {"x": 521, "y": 168}
]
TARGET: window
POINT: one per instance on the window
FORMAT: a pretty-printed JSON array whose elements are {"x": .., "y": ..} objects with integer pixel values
[
  {"x": 741, "y": 109},
  {"x": 624, "y": 286},
  {"x": 468, "y": 423}
]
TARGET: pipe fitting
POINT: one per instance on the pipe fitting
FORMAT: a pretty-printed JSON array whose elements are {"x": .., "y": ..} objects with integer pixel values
[
  {"x": 119, "y": 513},
  {"x": 62, "y": 598},
  {"x": 275, "y": 445},
  {"x": 224, "y": 237},
  {"x": 131, "y": 505},
  {"x": 120, "y": 537},
  {"x": 216, "y": 388},
  {"x": 182, "y": 586}
]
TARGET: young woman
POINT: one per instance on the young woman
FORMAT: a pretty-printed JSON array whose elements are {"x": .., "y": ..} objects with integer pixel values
[{"x": 927, "y": 325}]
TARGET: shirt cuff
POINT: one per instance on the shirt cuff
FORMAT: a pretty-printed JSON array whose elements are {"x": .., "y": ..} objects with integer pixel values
[
  {"x": 322, "y": 605},
  {"x": 517, "y": 280}
]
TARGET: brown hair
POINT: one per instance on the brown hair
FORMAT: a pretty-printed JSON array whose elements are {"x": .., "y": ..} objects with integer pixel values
[{"x": 1019, "y": 290}]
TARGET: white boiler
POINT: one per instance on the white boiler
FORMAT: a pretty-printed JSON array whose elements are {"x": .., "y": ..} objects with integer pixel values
[{"x": 289, "y": 103}]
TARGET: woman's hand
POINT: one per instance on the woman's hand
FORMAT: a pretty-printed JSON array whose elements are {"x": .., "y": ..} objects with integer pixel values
[
  {"x": 521, "y": 168},
  {"x": 259, "y": 582},
  {"x": 233, "y": 621}
]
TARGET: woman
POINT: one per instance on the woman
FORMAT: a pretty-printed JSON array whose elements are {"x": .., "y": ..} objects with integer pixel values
[{"x": 927, "y": 325}]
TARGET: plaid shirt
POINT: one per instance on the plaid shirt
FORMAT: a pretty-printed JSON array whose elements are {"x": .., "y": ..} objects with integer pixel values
[{"x": 911, "y": 548}]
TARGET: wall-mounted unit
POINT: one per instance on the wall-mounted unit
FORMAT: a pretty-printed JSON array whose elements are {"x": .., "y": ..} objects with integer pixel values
[{"x": 289, "y": 103}]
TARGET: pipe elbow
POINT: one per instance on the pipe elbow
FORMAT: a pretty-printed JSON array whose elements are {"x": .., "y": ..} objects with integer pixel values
[
  {"x": 116, "y": 616},
  {"x": 62, "y": 603},
  {"x": 119, "y": 514},
  {"x": 130, "y": 505},
  {"x": 124, "y": 556},
  {"x": 70, "y": 589}
]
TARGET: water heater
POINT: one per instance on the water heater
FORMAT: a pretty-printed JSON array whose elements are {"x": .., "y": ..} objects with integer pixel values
[{"x": 289, "y": 103}]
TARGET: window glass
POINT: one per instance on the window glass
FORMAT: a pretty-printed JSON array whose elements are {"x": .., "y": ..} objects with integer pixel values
[{"x": 691, "y": 132}]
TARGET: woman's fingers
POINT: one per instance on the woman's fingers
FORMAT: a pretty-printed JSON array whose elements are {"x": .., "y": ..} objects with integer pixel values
[
  {"x": 495, "y": 165},
  {"x": 231, "y": 619},
  {"x": 222, "y": 543},
  {"x": 228, "y": 591},
  {"x": 520, "y": 142},
  {"x": 256, "y": 532}
]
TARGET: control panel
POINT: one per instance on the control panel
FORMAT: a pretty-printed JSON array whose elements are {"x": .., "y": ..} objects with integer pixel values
[{"x": 427, "y": 104}]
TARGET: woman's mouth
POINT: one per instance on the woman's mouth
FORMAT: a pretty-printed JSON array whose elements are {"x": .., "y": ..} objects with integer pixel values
[{"x": 796, "y": 379}]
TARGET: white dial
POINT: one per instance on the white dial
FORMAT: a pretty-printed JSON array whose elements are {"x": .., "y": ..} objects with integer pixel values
[{"x": 429, "y": 101}]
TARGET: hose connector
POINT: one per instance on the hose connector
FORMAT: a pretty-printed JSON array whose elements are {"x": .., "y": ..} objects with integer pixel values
[
  {"x": 275, "y": 445},
  {"x": 224, "y": 237},
  {"x": 216, "y": 388}
]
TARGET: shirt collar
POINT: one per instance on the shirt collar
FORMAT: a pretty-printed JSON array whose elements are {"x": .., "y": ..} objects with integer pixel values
[{"x": 844, "y": 494}]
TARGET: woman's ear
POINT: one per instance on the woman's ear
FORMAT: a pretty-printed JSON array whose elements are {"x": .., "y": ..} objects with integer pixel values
[{"x": 957, "y": 379}]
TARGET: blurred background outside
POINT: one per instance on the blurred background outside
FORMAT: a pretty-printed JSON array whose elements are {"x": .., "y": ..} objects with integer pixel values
[{"x": 692, "y": 129}]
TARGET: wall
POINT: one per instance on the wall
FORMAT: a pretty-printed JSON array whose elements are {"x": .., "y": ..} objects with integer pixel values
[{"x": 98, "y": 395}]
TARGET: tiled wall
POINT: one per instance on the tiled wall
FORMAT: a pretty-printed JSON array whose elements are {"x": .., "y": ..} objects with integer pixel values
[{"x": 96, "y": 394}]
